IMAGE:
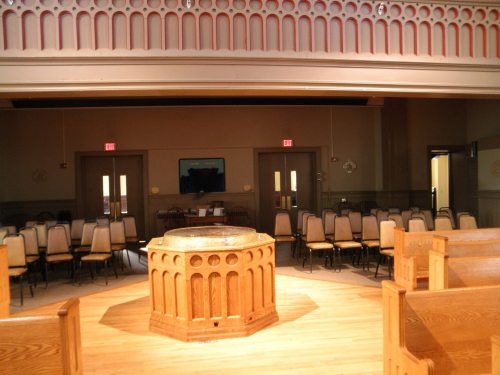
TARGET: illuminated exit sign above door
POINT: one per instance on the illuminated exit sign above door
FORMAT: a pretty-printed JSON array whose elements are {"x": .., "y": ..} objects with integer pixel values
[
  {"x": 109, "y": 146},
  {"x": 287, "y": 142}
]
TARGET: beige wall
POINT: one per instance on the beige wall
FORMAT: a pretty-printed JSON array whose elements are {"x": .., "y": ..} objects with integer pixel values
[
  {"x": 169, "y": 133},
  {"x": 432, "y": 122},
  {"x": 32, "y": 142}
]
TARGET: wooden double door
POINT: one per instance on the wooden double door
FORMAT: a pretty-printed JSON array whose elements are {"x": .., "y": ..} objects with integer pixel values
[
  {"x": 287, "y": 180},
  {"x": 112, "y": 186}
]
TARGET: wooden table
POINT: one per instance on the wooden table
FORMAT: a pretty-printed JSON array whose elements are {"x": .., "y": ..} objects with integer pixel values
[{"x": 195, "y": 220}]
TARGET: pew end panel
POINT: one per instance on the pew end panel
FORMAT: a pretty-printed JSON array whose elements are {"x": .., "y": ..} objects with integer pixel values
[
  {"x": 42, "y": 344},
  {"x": 450, "y": 329},
  {"x": 397, "y": 359}
]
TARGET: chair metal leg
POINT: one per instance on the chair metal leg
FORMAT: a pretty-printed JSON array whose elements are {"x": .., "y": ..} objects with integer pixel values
[
  {"x": 21, "y": 289},
  {"x": 311, "y": 260},
  {"x": 106, "y": 271},
  {"x": 378, "y": 264}
]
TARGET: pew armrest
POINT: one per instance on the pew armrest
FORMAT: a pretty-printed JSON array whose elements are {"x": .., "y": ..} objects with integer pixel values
[{"x": 54, "y": 342}]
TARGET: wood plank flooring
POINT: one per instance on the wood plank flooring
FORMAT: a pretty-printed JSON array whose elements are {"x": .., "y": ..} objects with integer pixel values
[{"x": 324, "y": 328}]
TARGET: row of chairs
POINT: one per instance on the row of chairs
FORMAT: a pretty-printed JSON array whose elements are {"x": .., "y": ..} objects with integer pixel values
[
  {"x": 333, "y": 234},
  {"x": 97, "y": 244}
]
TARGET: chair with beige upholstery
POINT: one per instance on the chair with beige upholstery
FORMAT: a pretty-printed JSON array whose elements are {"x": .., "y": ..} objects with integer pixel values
[
  {"x": 382, "y": 215},
  {"x": 398, "y": 219},
  {"x": 386, "y": 249},
  {"x": 41, "y": 233},
  {"x": 370, "y": 238},
  {"x": 58, "y": 250},
  {"x": 11, "y": 229},
  {"x": 417, "y": 225},
  {"x": 119, "y": 240},
  {"x": 298, "y": 231},
  {"x": 323, "y": 213},
  {"x": 86, "y": 240},
  {"x": 100, "y": 251},
  {"x": 76, "y": 231},
  {"x": 442, "y": 223},
  {"x": 283, "y": 230},
  {"x": 102, "y": 220},
  {"x": 406, "y": 216},
  {"x": 50, "y": 223},
  {"x": 17, "y": 261},
  {"x": 3, "y": 234},
  {"x": 303, "y": 237},
  {"x": 449, "y": 211},
  {"x": 429, "y": 219},
  {"x": 343, "y": 239},
  {"x": 394, "y": 210},
  {"x": 131, "y": 235},
  {"x": 467, "y": 222},
  {"x": 329, "y": 225},
  {"x": 355, "y": 221},
  {"x": 315, "y": 240},
  {"x": 31, "y": 249}
]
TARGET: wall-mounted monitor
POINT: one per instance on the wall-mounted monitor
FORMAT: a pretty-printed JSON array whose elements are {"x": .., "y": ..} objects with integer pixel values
[{"x": 201, "y": 175}]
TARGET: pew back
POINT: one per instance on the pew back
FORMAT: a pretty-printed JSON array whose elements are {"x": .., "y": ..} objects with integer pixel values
[
  {"x": 464, "y": 263},
  {"x": 45, "y": 344},
  {"x": 411, "y": 251},
  {"x": 440, "y": 332}
]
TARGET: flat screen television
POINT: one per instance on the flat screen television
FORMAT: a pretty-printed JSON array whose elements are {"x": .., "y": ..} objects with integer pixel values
[{"x": 201, "y": 175}]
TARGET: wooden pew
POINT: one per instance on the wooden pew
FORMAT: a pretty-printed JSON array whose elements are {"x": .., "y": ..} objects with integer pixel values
[
  {"x": 463, "y": 263},
  {"x": 449, "y": 331},
  {"x": 4, "y": 283},
  {"x": 48, "y": 344},
  {"x": 411, "y": 252}
]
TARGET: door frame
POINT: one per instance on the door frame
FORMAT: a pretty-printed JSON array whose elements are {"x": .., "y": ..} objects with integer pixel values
[
  {"x": 316, "y": 151},
  {"x": 449, "y": 149},
  {"x": 79, "y": 155}
]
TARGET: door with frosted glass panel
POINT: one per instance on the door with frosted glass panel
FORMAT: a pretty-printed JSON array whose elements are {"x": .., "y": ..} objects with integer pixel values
[
  {"x": 286, "y": 181},
  {"x": 112, "y": 186}
]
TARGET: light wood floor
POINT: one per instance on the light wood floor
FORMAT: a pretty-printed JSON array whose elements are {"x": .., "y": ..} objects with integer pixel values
[{"x": 324, "y": 328}]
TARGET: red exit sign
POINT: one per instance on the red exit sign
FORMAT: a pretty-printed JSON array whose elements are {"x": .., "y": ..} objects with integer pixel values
[
  {"x": 287, "y": 143},
  {"x": 109, "y": 146}
]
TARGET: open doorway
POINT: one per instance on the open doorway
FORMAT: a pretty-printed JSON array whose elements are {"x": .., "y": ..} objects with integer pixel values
[{"x": 440, "y": 180}]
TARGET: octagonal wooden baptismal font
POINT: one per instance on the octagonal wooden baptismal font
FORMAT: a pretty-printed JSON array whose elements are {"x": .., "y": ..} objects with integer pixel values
[{"x": 211, "y": 282}]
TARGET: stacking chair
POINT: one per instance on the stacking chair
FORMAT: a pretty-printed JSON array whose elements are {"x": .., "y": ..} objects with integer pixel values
[
  {"x": 382, "y": 215},
  {"x": 58, "y": 250},
  {"x": 398, "y": 219},
  {"x": 393, "y": 210},
  {"x": 100, "y": 251},
  {"x": 76, "y": 231},
  {"x": 118, "y": 240},
  {"x": 406, "y": 216},
  {"x": 85, "y": 241},
  {"x": 50, "y": 223},
  {"x": 329, "y": 225},
  {"x": 343, "y": 239},
  {"x": 31, "y": 249},
  {"x": 467, "y": 222},
  {"x": 17, "y": 261},
  {"x": 429, "y": 220},
  {"x": 298, "y": 231},
  {"x": 102, "y": 220},
  {"x": 303, "y": 237},
  {"x": 449, "y": 211},
  {"x": 283, "y": 230},
  {"x": 417, "y": 225},
  {"x": 373, "y": 211},
  {"x": 41, "y": 233},
  {"x": 3, "y": 234},
  {"x": 386, "y": 249},
  {"x": 418, "y": 216},
  {"x": 442, "y": 223},
  {"x": 315, "y": 240},
  {"x": 30, "y": 223},
  {"x": 11, "y": 229},
  {"x": 323, "y": 213},
  {"x": 370, "y": 238},
  {"x": 355, "y": 221},
  {"x": 131, "y": 236},
  {"x": 67, "y": 228}
]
